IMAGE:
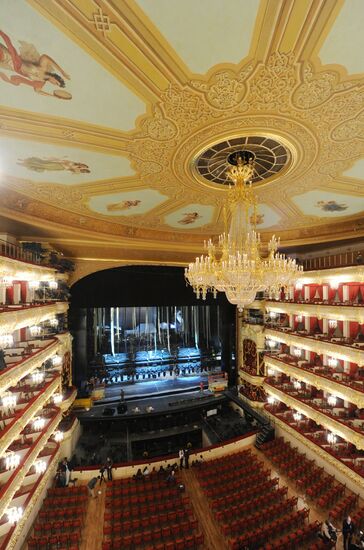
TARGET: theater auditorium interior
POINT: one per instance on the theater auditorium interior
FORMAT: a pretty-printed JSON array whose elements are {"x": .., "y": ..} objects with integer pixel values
[{"x": 182, "y": 274}]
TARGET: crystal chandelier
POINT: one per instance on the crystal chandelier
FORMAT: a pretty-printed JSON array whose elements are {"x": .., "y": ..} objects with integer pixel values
[{"x": 234, "y": 264}]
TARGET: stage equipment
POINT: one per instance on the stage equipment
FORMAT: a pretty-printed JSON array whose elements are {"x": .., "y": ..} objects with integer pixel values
[{"x": 234, "y": 264}]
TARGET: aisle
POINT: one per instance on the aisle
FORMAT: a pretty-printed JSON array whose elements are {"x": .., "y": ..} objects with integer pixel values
[
  {"x": 94, "y": 522},
  {"x": 214, "y": 540}
]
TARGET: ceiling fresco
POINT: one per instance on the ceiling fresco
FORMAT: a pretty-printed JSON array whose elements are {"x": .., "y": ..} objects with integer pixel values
[{"x": 116, "y": 118}]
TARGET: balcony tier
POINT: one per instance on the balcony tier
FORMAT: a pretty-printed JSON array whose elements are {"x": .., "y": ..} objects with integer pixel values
[
  {"x": 335, "y": 426},
  {"x": 8, "y": 491},
  {"x": 15, "y": 318},
  {"x": 351, "y": 274},
  {"x": 319, "y": 381},
  {"x": 11, "y": 375},
  {"x": 23, "y": 416},
  {"x": 321, "y": 311},
  {"x": 317, "y": 450},
  {"x": 337, "y": 351}
]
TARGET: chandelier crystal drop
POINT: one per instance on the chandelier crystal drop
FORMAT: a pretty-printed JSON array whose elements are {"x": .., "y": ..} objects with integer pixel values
[{"x": 234, "y": 265}]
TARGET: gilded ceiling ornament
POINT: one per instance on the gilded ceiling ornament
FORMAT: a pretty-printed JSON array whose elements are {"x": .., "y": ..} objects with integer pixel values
[
  {"x": 224, "y": 89},
  {"x": 159, "y": 127},
  {"x": 350, "y": 129}
]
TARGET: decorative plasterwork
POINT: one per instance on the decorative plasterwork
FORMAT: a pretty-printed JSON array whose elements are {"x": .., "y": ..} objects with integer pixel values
[
  {"x": 317, "y": 450},
  {"x": 66, "y": 403},
  {"x": 29, "y": 413},
  {"x": 336, "y": 427},
  {"x": 340, "y": 313},
  {"x": 346, "y": 353},
  {"x": 14, "y": 320},
  {"x": 344, "y": 392},
  {"x": 23, "y": 470}
]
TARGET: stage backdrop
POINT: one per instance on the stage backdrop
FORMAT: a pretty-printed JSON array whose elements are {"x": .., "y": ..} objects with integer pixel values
[{"x": 146, "y": 300}]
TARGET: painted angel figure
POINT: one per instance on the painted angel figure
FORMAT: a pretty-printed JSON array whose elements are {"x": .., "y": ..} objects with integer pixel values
[
  {"x": 54, "y": 164},
  {"x": 189, "y": 217},
  {"x": 31, "y": 68}
]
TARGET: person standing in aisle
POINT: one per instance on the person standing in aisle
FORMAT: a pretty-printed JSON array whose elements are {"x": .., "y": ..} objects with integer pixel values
[
  {"x": 181, "y": 455},
  {"x": 186, "y": 454},
  {"x": 108, "y": 466}
]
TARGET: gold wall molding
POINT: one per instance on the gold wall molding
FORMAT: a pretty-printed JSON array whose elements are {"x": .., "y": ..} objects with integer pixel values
[
  {"x": 320, "y": 418},
  {"x": 337, "y": 351},
  {"x": 254, "y": 404},
  {"x": 317, "y": 450},
  {"x": 11, "y": 267},
  {"x": 351, "y": 274},
  {"x": 14, "y": 320},
  {"x": 344, "y": 392},
  {"x": 340, "y": 313}
]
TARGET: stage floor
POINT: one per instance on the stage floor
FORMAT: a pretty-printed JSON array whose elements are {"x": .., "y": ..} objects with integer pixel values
[{"x": 154, "y": 387}]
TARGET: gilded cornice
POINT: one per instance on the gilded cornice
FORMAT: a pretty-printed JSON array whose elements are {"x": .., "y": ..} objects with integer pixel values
[
  {"x": 14, "y": 320},
  {"x": 340, "y": 313},
  {"x": 317, "y": 450},
  {"x": 320, "y": 418},
  {"x": 348, "y": 394},
  {"x": 254, "y": 333},
  {"x": 337, "y": 351},
  {"x": 27, "y": 416},
  {"x": 23, "y": 469},
  {"x": 46, "y": 477}
]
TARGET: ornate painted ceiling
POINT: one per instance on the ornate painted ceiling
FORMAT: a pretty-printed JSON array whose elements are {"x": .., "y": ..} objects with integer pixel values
[{"x": 116, "y": 118}]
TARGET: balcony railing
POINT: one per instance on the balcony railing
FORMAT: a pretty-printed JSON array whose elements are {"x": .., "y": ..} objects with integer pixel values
[
  {"x": 319, "y": 377},
  {"x": 24, "y": 415},
  {"x": 14, "y": 318},
  {"x": 10, "y": 487},
  {"x": 16, "y": 252},
  {"x": 319, "y": 343},
  {"x": 18, "y": 370},
  {"x": 347, "y": 312},
  {"x": 320, "y": 415}
]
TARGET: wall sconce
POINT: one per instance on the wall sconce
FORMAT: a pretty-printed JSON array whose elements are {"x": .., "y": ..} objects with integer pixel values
[
  {"x": 331, "y": 438},
  {"x": 12, "y": 461},
  {"x": 14, "y": 514},
  {"x": 332, "y": 400},
  {"x": 37, "y": 377},
  {"x": 297, "y": 416},
  {"x": 9, "y": 400},
  {"x": 35, "y": 330},
  {"x": 6, "y": 340},
  {"x": 53, "y": 285},
  {"x": 56, "y": 360},
  {"x": 38, "y": 423},
  {"x": 34, "y": 285},
  {"x": 57, "y": 398},
  {"x": 40, "y": 466},
  {"x": 332, "y": 323},
  {"x": 271, "y": 400},
  {"x": 58, "y": 436}
]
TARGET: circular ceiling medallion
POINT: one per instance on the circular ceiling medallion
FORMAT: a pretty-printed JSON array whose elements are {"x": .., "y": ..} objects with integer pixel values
[{"x": 270, "y": 157}]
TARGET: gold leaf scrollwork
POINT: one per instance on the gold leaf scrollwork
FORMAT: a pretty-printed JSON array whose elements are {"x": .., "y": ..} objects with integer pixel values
[
  {"x": 225, "y": 89},
  {"x": 158, "y": 127}
]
